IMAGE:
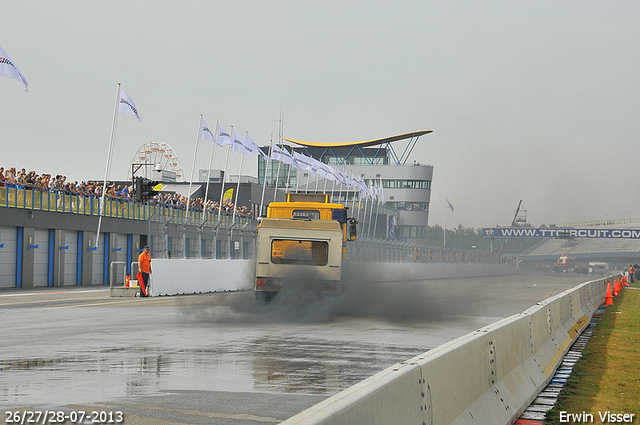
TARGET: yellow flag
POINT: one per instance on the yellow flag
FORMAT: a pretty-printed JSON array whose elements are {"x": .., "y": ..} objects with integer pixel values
[{"x": 228, "y": 195}]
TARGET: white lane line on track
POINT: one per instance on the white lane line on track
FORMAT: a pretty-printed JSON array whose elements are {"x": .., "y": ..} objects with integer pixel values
[
  {"x": 23, "y": 294},
  {"x": 73, "y": 305},
  {"x": 92, "y": 304},
  {"x": 52, "y": 300}
]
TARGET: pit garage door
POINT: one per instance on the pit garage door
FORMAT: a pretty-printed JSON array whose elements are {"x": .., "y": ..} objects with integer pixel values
[
  {"x": 8, "y": 257},
  {"x": 71, "y": 257},
  {"x": 97, "y": 274},
  {"x": 41, "y": 258}
]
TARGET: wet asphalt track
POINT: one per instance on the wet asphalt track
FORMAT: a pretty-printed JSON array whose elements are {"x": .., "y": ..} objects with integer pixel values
[{"x": 225, "y": 358}]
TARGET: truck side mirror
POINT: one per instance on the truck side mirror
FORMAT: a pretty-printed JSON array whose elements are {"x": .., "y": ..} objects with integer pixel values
[{"x": 353, "y": 229}]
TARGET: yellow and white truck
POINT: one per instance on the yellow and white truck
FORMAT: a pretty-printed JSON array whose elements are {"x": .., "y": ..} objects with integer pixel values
[{"x": 303, "y": 243}]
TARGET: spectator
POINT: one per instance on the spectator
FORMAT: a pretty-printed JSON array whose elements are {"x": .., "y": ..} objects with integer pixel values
[{"x": 59, "y": 184}]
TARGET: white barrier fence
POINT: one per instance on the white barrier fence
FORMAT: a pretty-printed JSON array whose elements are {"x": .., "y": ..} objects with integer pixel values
[
  {"x": 488, "y": 376},
  {"x": 192, "y": 276}
]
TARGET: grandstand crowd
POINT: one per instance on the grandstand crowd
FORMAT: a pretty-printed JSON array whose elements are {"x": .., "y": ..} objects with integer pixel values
[{"x": 59, "y": 184}]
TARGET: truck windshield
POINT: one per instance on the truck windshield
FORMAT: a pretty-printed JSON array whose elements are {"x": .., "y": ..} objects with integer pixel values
[{"x": 286, "y": 251}]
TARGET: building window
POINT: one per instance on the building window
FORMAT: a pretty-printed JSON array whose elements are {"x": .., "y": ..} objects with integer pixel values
[
  {"x": 409, "y": 206},
  {"x": 276, "y": 170},
  {"x": 412, "y": 232},
  {"x": 406, "y": 184}
]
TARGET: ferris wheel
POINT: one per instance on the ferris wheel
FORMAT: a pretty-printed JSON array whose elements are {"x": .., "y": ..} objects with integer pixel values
[{"x": 155, "y": 156}]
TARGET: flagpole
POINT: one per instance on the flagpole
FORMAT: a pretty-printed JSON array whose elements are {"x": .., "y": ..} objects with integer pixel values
[
  {"x": 364, "y": 211},
  {"x": 359, "y": 204},
  {"x": 340, "y": 189},
  {"x": 275, "y": 188},
  {"x": 193, "y": 165},
  {"x": 280, "y": 134},
  {"x": 333, "y": 186},
  {"x": 370, "y": 215},
  {"x": 445, "y": 224},
  {"x": 106, "y": 171},
  {"x": 224, "y": 177},
  {"x": 353, "y": 198},
  {"x": 346, "y": 195},
  {"x": 287, "y": 185},
  {"x": 325, "y": 185},
  {"x": 266, "y": 168},
  {"x": 206, "y": 192},
  {"x": 375, "y": 224},
  {"x": 375, "y": 204},
  {"x": 235, "y": 202},
  {"x": 297, "y": 174}
]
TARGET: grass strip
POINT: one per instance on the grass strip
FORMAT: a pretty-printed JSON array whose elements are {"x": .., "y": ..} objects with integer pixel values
[{"x": 607, "y": 376}]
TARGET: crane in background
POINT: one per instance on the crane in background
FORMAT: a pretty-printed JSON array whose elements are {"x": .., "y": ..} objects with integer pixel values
[{"x": 517, "y": 221}]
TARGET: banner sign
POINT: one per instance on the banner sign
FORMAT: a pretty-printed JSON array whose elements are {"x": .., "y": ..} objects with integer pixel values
[
  {"x": 391, "y": 228},
  {"x": 531, "y": 232}
]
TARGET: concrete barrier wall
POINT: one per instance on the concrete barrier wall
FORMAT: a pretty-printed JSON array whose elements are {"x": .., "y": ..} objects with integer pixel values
[
  {"x": 488, "y": 376},
  {"x": 192, "y": 276}
]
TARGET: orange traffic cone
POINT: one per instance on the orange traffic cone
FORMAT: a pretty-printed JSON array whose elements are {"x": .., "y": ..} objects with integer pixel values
[
  {"x": 624, "y": 281},
  {"x": 608, "y": 297},
  {"x": 616, "y": 288}
]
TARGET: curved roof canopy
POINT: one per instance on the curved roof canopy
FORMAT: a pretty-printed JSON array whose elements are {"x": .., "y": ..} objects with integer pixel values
[{"x": 363, "y": 143}]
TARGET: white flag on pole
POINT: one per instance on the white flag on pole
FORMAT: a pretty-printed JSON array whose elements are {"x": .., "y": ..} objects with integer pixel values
[
  {"x": 363, "y": 189},
  {"x": 330, "y": 172},
  {"x": 303, "y": 161},
  {"x": 126, "y": 105},
  {"x": 349, "y": 178},
  {"x": 371, "y": 191},
  {"x": 449, "y": 204},
  {"x": 383, "y": 199},
  {"x": 205, "y": 133},
  {"x": 223, "y": 137},
  {"x": 360, "y": 184},
  {"x": 254, "y": 146},
  {"x": 325, "y": 171},
  {"x": 240, "y": 145},
  {"x": 9, "y": 69},
  {"x": 341, "y": 177},
  {"x": 316, "y": 167},
  {"x": 281, "y": 154}
]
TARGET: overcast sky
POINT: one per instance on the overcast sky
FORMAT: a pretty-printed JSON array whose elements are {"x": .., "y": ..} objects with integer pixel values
[{"x": 537, "y": 101}]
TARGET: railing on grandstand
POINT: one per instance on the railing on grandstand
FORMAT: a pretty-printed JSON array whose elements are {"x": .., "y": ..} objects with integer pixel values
[
  {"x": 364, "y": 249},
  {"x": 607, "y": 222},
  {"x": 17, "y": 197}
]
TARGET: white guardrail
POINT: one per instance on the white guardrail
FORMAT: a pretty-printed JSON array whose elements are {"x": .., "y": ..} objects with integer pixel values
[{"x": 488, "y": 376}]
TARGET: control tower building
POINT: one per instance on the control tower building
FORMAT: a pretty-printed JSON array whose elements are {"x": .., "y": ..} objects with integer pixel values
[{"x": 407, "y": 187}]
